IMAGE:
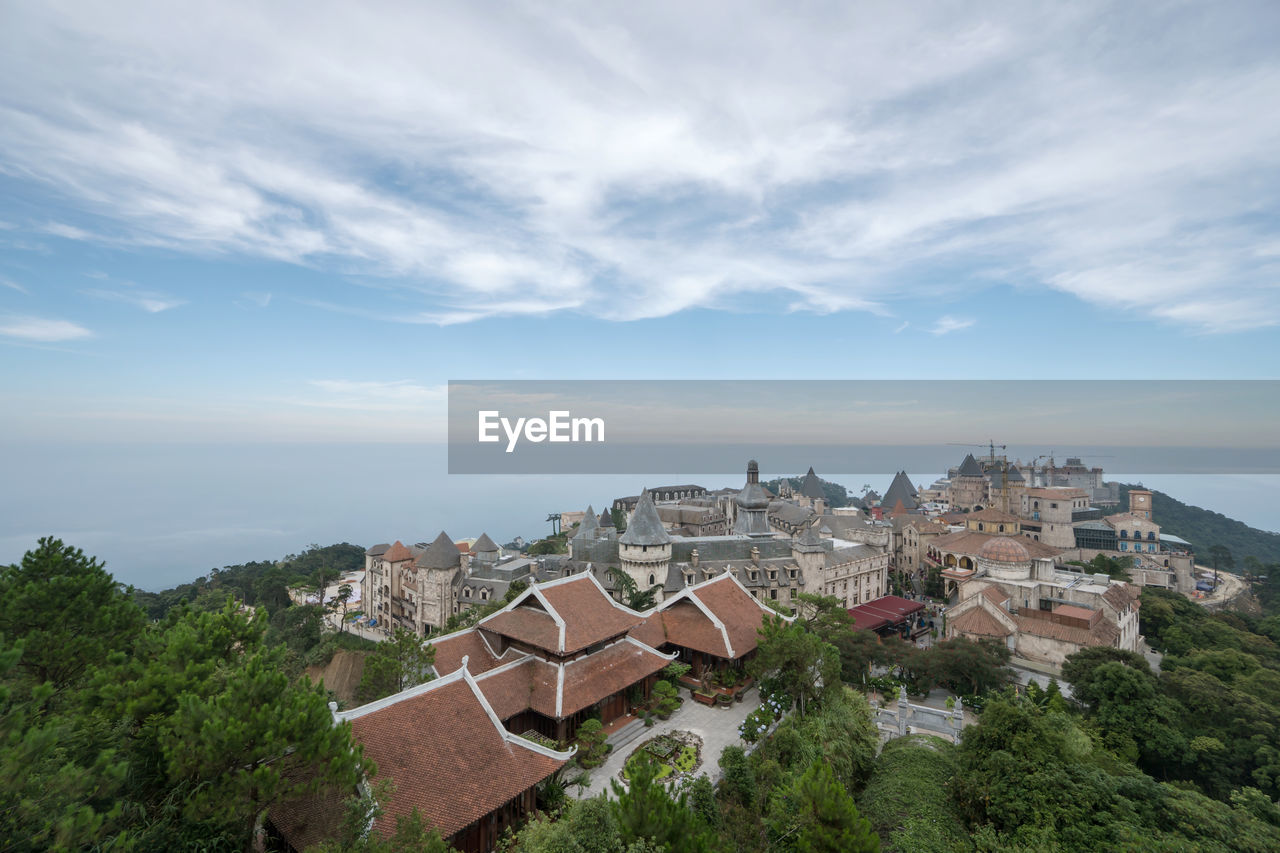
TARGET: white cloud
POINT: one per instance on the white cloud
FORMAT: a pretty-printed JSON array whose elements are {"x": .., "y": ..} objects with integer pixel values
[
  {"x": 367, "y": 395},
  {"x": 903, "y": 327},
  {"x": 41, "y": 329},
  {"x": 631, "y": 162},
  {"x": 947, "y": 324},
  {"x": 11, "y": 284},
  {"x": 151, "y": 302}
]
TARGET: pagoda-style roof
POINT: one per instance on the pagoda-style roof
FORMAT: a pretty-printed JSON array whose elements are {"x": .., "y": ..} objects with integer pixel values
[{"x": 563, "y": 616}]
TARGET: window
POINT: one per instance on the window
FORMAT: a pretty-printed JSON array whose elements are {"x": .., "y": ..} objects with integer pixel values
[
  {"x": 466, "y": 592},
  {"x": 1001, "y": 529},
  {"x": 1124, "y": 534},
  {"x": 1151, "y": 535},
  {"x": 793, "y": 592},
  {"x": 484, "y": 595},
  {"x": 773, "y": 593},
  {"x": 980, "y": 526},
  {"x": 792, "y": 573},
  {"x": 652, "y": 580},
  {"x": 1124, "y": 546},
  {"x": 1053, "y": 506}
]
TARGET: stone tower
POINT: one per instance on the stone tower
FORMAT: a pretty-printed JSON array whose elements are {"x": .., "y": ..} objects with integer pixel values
[
  {"x": 644, "y": 548},
  {"x": 753, "y": 505},
  {"x": 810, "y": 557},
  {"x": 1140, "y": 503}
]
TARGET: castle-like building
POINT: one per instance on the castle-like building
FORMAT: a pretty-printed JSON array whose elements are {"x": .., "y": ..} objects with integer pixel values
[{"x": 776, "y": 548}]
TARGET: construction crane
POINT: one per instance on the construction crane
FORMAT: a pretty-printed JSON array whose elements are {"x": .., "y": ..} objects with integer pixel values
[{"x": 1003, "y": 464}]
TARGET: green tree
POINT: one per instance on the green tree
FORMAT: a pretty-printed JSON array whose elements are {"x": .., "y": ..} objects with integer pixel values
[
  {"x": 70, "y": 613},
  {"x": 966, "y": 666},
  {"x": 398, "y": 663},
  {"x": 631, "y": 594},
  {"x": 794, "y": 663},
  {"x": 825, "y": 818},
  {"x": 646, "y": 812}
]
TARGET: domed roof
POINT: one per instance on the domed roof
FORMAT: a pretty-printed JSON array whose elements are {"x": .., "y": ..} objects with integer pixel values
[{"x": 1004, "y": 549}]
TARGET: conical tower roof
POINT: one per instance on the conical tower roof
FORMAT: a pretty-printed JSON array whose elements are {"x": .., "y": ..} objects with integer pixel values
[
  {"x": 645, "y": 528},
  {"x": 900, "y": 491},
  {"x": 440, "y": 554},
  {"x": 397, "y": 553},
  {"x": 812, "y": 486},
  {"x": 484, "y": 543},
  {"x": 588, "y": 525},
  {"x": 970, "y": 467},
  {"x": 809, "y": 540},
  {"x": 606, "y": 519}
]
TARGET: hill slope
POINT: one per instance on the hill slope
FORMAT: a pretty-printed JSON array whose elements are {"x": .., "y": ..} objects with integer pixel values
[{"x": 1205, "y": 528}]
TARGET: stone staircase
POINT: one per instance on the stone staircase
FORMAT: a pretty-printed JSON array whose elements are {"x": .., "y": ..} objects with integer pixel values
[{"x": 627, "y": 734}]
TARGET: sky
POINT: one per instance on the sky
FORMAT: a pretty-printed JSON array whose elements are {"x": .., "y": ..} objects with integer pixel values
[{"x": 294, "y": 223}]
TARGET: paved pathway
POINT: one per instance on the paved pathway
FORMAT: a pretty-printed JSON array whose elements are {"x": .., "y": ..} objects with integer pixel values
[{"x": 718, "y": 728}]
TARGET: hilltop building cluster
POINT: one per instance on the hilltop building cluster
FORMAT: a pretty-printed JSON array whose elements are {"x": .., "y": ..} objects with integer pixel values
[{"x": 1005, "y": 545}]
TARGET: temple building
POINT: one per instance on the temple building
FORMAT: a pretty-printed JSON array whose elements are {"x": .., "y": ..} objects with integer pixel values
[
  {"x": 710, "y": 625},
  {"x": 444, "y": 749},
  {"x": 557, "y": 653}
]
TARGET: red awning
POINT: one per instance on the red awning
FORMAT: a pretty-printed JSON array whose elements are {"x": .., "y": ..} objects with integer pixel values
[{"x": 884, "y": 611}]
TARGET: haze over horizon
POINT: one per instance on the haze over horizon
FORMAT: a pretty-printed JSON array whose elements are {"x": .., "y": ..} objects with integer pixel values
[{"x": 295, "y": 223}]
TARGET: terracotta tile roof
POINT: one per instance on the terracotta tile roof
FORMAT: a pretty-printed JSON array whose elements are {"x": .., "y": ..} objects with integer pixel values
[
  {"x": 995, "y": 595},
  {"x": 397, "y": 553},
  {"x": 679, "y": 619},
  {"x": 1049, "y": 493},
  {"x": 526, "y": 623},
  {"x": 993, "y": 514},
  {"x": 451, "y": 648},
  {"x": 979, "y": 623},
  {"x": 589, "y": 679},
  {"x": 1074, "y": 612},
  {"x": 588, "y": 614},
  {"x": 446, "y": 755},
  {"x": 684, "y": 625},
  {"x": 739, "y": 611},
  {"x": 310, "y": 820},
  {"x": 1103, "y": 632},
  {"x": 1120, "y": 596},
  {"x": 530, "y": 684}
]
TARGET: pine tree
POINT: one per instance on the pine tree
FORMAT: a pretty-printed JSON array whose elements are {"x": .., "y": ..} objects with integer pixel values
[{"x": 828, "y": 820}]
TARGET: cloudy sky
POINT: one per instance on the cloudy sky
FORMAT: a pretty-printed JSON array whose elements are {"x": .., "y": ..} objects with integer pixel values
[{"x": 298, "y": 221}]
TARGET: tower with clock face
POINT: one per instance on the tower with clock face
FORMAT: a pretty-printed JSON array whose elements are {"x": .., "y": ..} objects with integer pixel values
[{"x": 1140, "y": 503}]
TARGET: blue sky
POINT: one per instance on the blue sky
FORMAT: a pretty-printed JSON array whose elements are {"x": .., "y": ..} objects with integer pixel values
[{"x": 297, "y": 221}]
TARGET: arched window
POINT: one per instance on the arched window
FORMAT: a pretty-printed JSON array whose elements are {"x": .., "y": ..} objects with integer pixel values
[
  {"x": 652, "y": 580},
  {"x": 1001, "y": 529},
  {"x": 1124, "y": 534},
  {"x": 980, "y": 526},
  {"x": 484, "y": 594},
  {"x": 1151, "y": 535}
]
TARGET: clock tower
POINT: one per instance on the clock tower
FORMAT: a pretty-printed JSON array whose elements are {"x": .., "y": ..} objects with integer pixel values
[{"x": 1140, "y": 503}]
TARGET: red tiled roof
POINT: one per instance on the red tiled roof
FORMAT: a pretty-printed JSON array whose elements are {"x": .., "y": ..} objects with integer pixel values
[
  {"x": 739, "y": 611},
  {"x": 684, "y": 625},
  {"x": 995, "y": 595},
  {"x": 446, "y": 757},
  {"x": 528, "y": 685},
  {"x": 589, "y": 679},
  {"x": 978, "y": 622},
  {"x": 451, "y": 648},
  {"x": 1103, "y": 632},
  {"x": 397, "y": 553},
  {"x": 526, "y": 623},
  {"x": 1121, "y": 596},
  {"x": 589, "y": 615}
]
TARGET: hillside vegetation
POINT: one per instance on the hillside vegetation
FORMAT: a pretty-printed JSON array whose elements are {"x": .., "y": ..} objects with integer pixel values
[{"x": 1204, "y": 528}]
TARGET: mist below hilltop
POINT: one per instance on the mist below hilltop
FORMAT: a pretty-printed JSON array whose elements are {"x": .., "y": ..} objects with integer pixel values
[{"x": 161, "y": 514}]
